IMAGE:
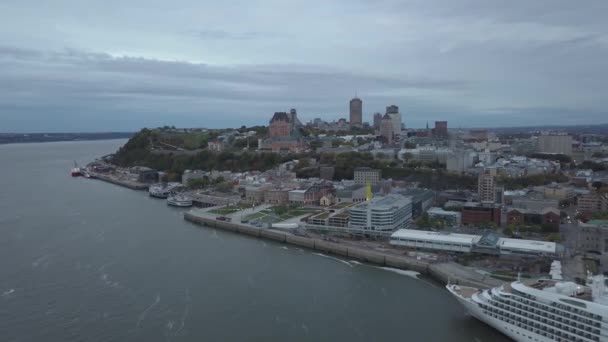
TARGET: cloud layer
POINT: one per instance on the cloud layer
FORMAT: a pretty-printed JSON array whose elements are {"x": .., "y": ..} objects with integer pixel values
[{"x": 97, "y": 66}]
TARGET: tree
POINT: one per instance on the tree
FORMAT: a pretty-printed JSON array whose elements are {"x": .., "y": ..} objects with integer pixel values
[
  {"x": 280, "y": 209},
  {"x": 224, "y": 186},
  {"x": 424, "y": 221},
  {"x": 548, "y": 228},
  {"x": 508, "y": 231},
  {"x": 409, "y": 145},
  {"x": 597, "y": 185},
  {"x": 554, "y": 237}
]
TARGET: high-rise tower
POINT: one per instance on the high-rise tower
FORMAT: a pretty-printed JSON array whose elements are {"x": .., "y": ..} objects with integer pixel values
[{"x": 356, "y": 112}]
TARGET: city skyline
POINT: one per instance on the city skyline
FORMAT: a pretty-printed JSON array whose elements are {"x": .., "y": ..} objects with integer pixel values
[{"x": 129, "y": 66}]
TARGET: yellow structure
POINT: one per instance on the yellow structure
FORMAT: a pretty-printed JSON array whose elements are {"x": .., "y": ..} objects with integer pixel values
[{"x": 368, "y": 191}]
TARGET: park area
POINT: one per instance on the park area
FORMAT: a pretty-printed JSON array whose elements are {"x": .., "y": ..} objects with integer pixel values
[
  {"x": 229, "y": 209},
  {"x": 278, "y": 214}
]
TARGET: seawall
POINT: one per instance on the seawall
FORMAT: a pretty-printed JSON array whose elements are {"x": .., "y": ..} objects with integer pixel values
[
  {"x": 364, "y": 255},
  {"x": 122, "y": 182}
]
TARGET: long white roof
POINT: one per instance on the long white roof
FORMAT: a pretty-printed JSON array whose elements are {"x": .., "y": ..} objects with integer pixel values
[
  {"x": 412, "y": 234},
  {"x": 528, "y": 245}
]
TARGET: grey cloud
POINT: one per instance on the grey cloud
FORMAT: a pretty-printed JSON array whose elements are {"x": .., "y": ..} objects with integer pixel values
[{"x": 465, "y": 61}]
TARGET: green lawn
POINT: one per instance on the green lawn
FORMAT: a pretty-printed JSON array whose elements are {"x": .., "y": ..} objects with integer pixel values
[
  {"x": 341, "y": 205},
  {"x": 226, "y": 210}
]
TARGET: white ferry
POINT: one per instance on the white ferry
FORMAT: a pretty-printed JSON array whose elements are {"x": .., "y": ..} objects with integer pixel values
[
  {"x": 179, "y": 201},
  {"x": 542, "y": 309},
  {"x": 158, "y": 191},
  {"x": 163, "y": 190}
]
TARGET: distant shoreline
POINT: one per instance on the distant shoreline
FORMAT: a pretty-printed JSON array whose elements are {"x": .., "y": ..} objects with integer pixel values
[{"x": 26, "y": 138}]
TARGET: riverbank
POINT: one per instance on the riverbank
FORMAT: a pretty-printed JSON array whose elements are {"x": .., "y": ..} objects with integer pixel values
[{"x": 441, "y": 272}]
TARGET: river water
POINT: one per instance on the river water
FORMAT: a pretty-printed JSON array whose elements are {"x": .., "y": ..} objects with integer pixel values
[{"x": 83, "y": 260}]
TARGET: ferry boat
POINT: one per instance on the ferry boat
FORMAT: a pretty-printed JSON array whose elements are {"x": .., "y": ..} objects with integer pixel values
[
  {"x": 541, "y": 309},
  {"x": 179, "y": 201},
  {"x": 76, "y": 171},
  {"x": 158, "y": 191},
  {"x": 163, "y": 190}
]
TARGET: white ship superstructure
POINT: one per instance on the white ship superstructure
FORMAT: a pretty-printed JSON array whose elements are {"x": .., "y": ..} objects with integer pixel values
[
  {"x": 542, "y": 309},
  {"x": 179, "y": 201},
  {"x": 163, "y": 190}
]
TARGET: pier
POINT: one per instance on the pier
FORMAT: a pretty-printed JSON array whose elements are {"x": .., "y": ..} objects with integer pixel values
[{"x": 127, "y": 183}]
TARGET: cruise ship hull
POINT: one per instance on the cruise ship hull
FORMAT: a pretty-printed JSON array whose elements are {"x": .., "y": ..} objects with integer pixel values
[{"x": 510, "y": 330}]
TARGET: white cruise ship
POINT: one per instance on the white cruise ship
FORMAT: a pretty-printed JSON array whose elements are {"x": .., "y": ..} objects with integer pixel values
[{"x": 542, "y": 309}]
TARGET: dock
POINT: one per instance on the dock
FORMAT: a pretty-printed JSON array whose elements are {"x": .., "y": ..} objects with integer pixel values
[{"x": 127, "y": 183}]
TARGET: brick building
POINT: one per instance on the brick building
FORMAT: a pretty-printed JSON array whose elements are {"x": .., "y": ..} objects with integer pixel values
[{"x": 474, "y": 213}]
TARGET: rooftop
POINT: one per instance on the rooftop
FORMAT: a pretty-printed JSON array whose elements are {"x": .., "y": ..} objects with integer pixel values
[
  {"x": 384, "y": 203},
  {"x": 436, "y": 236},
  {"x": 528, "y": 245}
]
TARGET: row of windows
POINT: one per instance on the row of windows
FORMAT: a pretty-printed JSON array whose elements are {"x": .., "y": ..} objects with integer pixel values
[
  {"x": 461, "y": 245},
  {"x": 538, "y": 328},
  {"x": 555, "y": 321},
  {"x": 563, "y": 307},
  {"x": 548, "y": 311}
]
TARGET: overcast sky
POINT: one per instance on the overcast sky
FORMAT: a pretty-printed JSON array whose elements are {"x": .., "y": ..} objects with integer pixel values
[{"x": 78, "y": 65}]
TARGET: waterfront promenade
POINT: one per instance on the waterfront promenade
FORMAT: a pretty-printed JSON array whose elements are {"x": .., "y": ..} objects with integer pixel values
[{"x": 442, "y": 272}]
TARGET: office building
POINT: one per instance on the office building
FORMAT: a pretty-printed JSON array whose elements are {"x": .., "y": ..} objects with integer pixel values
[
  {"x": 387, "y": 213},
  {"x": 386, "y": 129},
  {"x": 356, "y": 112},
  {"x": 486, "y": 187},
  {"x": 365, "y": 175},
  {"x": 555, "y": 143},
  {"x": 393, "y": 112},
  {"x": 441, "y": 129},
  {"x": 377, "y": 120}
]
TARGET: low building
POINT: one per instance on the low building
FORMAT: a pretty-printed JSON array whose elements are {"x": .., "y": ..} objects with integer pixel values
[
  {"x": 365, "y": 175},
  {"x": 144, "y": 174},
  {"x": 550, "y": 216},
  {"x": 310, "y": 196},
  {"x": 215, "y": 146},
  {"x": 276, "y": 196},
  {"x": 474, "y": 213},
  {"x": 254, "y": 194},
  {"x": 558, "y": 192},
  {"x": 382, "y": 213},
  {"x": 524, "y": 202},
  {"x": 592, "y": 203},
  {"x": 593, "y": 237},
  {"x": 327, "y": 200},
  {"x": 193, "y": 175},
  {"x": 467, "y": 243},
  {"x": 355, "y": 193},
  {"x": 452, "y": 218}
]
